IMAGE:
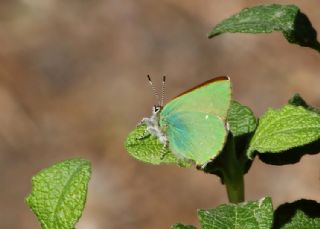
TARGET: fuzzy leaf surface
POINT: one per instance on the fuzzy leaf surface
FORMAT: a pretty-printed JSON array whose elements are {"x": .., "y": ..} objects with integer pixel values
[
  {"x": 293, "y": 155},
  {"x": 252, "y": 214},
  {"x": 241, "y": 119},
  {"x": 288, "y": 19},
  {"x": 283, "y": 129},
  {"x": 149, "y": 150},
  {"x": 59, "y": 193},
  {"x": 182, "y": 226}
]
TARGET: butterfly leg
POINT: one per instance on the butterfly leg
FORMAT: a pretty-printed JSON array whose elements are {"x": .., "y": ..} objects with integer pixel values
[
  {"x": 150, "y": 130},
  {"x": 146, "y": 121},
  {"x": 142, "y": 136},
  {"x": 147, "y": 132}
]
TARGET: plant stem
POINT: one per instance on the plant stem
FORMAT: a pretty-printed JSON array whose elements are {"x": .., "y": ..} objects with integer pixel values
[
  {"x": 235, "y": 187},
  {"x": 233, "y": 173},
  {"x": 230, "y": 169}
]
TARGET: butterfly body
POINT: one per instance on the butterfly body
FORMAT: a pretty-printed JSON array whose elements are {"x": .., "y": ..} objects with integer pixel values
[
  {"x": 153, "y": 126},
  {"x": 193, "y": 125}
]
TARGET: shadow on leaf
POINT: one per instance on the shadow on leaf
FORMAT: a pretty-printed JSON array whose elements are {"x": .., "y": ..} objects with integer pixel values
[
  {"x": 291, "y": 156},
  {"x": 288, "y": 214}
]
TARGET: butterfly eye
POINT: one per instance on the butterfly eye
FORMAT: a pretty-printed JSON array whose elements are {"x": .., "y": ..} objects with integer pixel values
[{"x": 156, "y": 109}]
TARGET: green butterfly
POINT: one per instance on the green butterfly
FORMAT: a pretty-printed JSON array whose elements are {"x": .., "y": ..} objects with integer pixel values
[{"x": 193, "y": 125}]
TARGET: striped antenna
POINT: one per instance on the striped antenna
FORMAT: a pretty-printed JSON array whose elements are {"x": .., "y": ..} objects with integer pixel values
[
  {"x": 153, "y": 89},
  {"x": 163, "y": 90}
]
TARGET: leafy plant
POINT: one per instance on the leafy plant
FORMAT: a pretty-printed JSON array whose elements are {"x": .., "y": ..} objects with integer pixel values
[
  {"x": 280, "y": 136},
  {"x": 288, "y": 19},
  {"x": 59, "y": 193}
]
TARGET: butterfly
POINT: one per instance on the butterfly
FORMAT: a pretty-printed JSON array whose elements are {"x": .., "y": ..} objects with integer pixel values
[{"x": 193, "y": 125}]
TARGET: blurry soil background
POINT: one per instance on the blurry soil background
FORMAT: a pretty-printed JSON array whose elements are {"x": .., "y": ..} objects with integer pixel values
[{"x": 73, "y": 84}]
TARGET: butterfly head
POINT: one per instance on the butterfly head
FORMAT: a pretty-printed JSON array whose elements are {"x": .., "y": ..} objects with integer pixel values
[{"x": 156, "y": 109}]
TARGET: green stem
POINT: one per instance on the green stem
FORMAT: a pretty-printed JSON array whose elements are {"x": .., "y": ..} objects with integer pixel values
[
  {"x": 235, "y": 187},
  {"x": 232, "y": 170}
]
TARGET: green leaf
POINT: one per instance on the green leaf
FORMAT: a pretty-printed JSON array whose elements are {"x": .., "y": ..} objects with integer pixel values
[
  {"x": 242, "y": 124},
  {"x": 302, "y": 214},
  {"x": 294, "y": 155},
  {"x": 148, "y": 149},
  {"x": 283, "y": 129},
  {"x": 241, "y": 119},
  {"x": 252, "y": 214},
  {"x": 59, "y": 193},
  {"x": 297, "y": 100},
  {"x": 182, "y": 226},
  {"x": 287, "y": 19}
]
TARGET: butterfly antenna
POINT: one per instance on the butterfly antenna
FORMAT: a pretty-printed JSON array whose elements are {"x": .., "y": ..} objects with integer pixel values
[
  {"x": 163, "y": 90},
  {"x": 153, "y": 88}
]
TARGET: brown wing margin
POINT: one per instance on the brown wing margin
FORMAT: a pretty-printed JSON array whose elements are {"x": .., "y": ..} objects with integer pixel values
[{"x": 219, "y": 78}]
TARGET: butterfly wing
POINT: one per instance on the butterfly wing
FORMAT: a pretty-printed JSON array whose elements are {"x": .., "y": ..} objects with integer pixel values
[
  {"x": 194, "y": 122},
  {"x": 195, "y": 135},
  {"x": 211, "y": 97}
]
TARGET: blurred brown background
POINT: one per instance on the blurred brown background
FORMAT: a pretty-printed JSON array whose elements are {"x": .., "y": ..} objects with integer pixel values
[{"x": 72, "y": 84}]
